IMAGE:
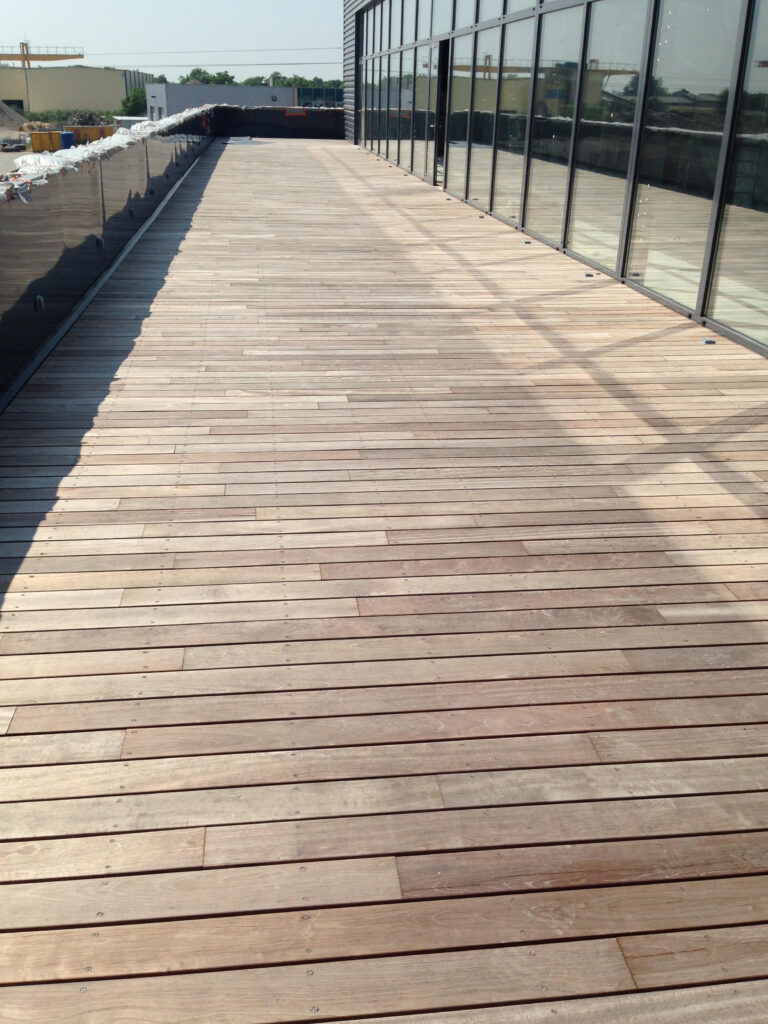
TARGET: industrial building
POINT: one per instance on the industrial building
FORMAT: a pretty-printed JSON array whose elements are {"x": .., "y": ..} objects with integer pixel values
[
  {"x": 164, "y": 99},
  {"x": 628, "y": 133},
  {"x": 68, "y": 88}
]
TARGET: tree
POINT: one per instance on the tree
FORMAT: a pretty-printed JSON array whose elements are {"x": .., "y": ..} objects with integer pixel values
[
  {"x": 208, "y": 77},
  {"x": 161, "y": 79},
  {"x": 135, "y": 105}
]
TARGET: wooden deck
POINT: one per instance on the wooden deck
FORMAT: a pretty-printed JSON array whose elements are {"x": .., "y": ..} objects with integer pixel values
[{"x": 385, "y": 631}]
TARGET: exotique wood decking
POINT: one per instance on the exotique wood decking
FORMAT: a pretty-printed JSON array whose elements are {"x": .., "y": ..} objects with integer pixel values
[{"x": 385, "y": 630}]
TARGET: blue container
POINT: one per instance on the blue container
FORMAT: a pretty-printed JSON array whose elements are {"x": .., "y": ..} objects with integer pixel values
[{"x": 67, "y": 140}]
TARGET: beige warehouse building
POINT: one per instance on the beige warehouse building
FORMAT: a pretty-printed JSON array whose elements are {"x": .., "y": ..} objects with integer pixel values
[{"x": 69, "y": 88}]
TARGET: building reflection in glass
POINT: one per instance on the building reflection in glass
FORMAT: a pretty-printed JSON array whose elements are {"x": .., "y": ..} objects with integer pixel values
[
  {"x": 458, "y": 117},
  {"x": 483, "y": 116},
  {"x": 604, "y": 131},
  {"x": 680, "y": 148},
  {"x": 513, "y": 118},
  {"x": 740, "y": 286},
  {"x": 554, "y": 101}
]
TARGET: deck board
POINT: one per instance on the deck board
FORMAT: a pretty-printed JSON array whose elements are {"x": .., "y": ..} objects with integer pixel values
[{"x": 382, "y": 594}]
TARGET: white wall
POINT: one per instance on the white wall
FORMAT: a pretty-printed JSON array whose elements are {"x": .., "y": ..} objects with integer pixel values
[{"x": 165, "y": 99}]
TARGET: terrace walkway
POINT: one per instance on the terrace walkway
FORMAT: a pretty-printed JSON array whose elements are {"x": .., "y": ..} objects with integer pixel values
[{"x": 386, "y": 629}]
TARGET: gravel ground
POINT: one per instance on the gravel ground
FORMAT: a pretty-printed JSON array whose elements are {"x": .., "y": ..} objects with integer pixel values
[{"x": 6, "y": 161}]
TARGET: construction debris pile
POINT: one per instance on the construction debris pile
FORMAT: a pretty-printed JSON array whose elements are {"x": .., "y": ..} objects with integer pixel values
[{"x": 34, "y": 169}]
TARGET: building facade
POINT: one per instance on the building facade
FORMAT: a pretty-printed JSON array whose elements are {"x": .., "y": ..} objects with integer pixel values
[
  {"x": 70, "y": 88},
  {"x": 632, "y": 134},
  {"x": 164, "y": 99}
]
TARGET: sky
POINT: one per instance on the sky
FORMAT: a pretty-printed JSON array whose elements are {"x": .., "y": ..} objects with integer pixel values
[{"x": 297, "y": 36}]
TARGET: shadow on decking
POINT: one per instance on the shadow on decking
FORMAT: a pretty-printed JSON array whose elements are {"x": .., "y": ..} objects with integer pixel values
[{"x": 36, "y": 457}]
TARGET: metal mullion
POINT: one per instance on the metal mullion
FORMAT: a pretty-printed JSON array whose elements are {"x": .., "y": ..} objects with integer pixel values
[
  {"x": 502, "y": 41},
  {"x": 529, "y": 119},
  {"x": 414, "y": 51},
  {"x": 559, "y": 5},
  {"x": 470, "y": 112},
  {"x": 633, "y": 167},
  {"x": 448, "y": 102},
  {"x": 738, "y": 76},
  {"x": 575, "y": 123},
  {"x": 399, "y": 102},
  {"x": 385, "y": 153},
  {"x": 524, "y": 15}
]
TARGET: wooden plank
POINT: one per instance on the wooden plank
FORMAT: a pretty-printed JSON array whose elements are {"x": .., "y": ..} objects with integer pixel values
[
  {"x": 90, "y": 663},
  {"x": 375, "y": 929},
  {"x": 695, "y": 957},
  {"x": 719, "y": 1004},
  {"x": 101, "y": 855},
  {"x": 603, "y": 782},
  {"x": 444, "y": 725},
  {"x": 637, "y": 746},
  {"x": 616, "y": 863},
  {"x": 60, "y": 748},
  {"x": 193, "y": 893},
  {"x": 165, "y": 773},
  {"x": 487, "y": 826},
  {"x": 153, "y": 811},
  {"x": 273, "y": 995},
  {"x": 111, "y": 714},
  {"x": 474, "y": 674}
]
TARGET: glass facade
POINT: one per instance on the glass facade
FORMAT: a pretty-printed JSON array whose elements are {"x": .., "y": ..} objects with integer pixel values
[
  {"x": 606, "y": 119},
  {"x": 442, "y": 11},
  {"x": 632, "y": 132},
  {"x": 483, "y": 117},
  {"x": 462, "y": 57},
  {"x": 554, "y": 103},
  {"x": 740, "y": 286},
  {"x": 682, "y": 137},
  {"x": 512, "y": 126},
  {"x": 465, "y": 13},
  {"x": 420, "y": 106}
]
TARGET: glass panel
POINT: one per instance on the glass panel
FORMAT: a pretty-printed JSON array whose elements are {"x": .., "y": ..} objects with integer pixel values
[
  {"x": 554, "y": 97},
  {"x": 458, "y": 116},
  {"x": 425, "y": 19},
  {"x": 514, "y": 6},
  {"x": 406, "y": 110},
  {"x": 409, "y": 21},
  {"x": 442, "y": 16},
  {"x": 384, "y": 119},
  {"x": 487, "y": 9},
  {"x": 379, "y": 104},
  {"x": 465, "y": 13},
  {"x": 374, "y": 130},
  {"x": 375, "y": 30},
  {"x": 420, "y": 97},
  {"x": 385, "y": 8},
  {"x": 483, "y": 115},
  {"x": 604, "y": 133},
  {"x": 681, "y": 144},
  {"x": 432, "y": 112},
  {"x": 513, "y": 118},
  {"x": 364, "y": 118},
  {"x": 396, "y": 25},
  {"x": 740, "y": 287},
  {"x": 394, "y": 104}
]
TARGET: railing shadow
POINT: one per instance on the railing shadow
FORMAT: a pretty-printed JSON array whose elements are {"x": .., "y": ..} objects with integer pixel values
[{"x": 42, "y": 430}]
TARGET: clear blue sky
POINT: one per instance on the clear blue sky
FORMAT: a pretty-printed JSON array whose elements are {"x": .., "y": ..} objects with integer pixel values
[{"x": 120, "y": 34}]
